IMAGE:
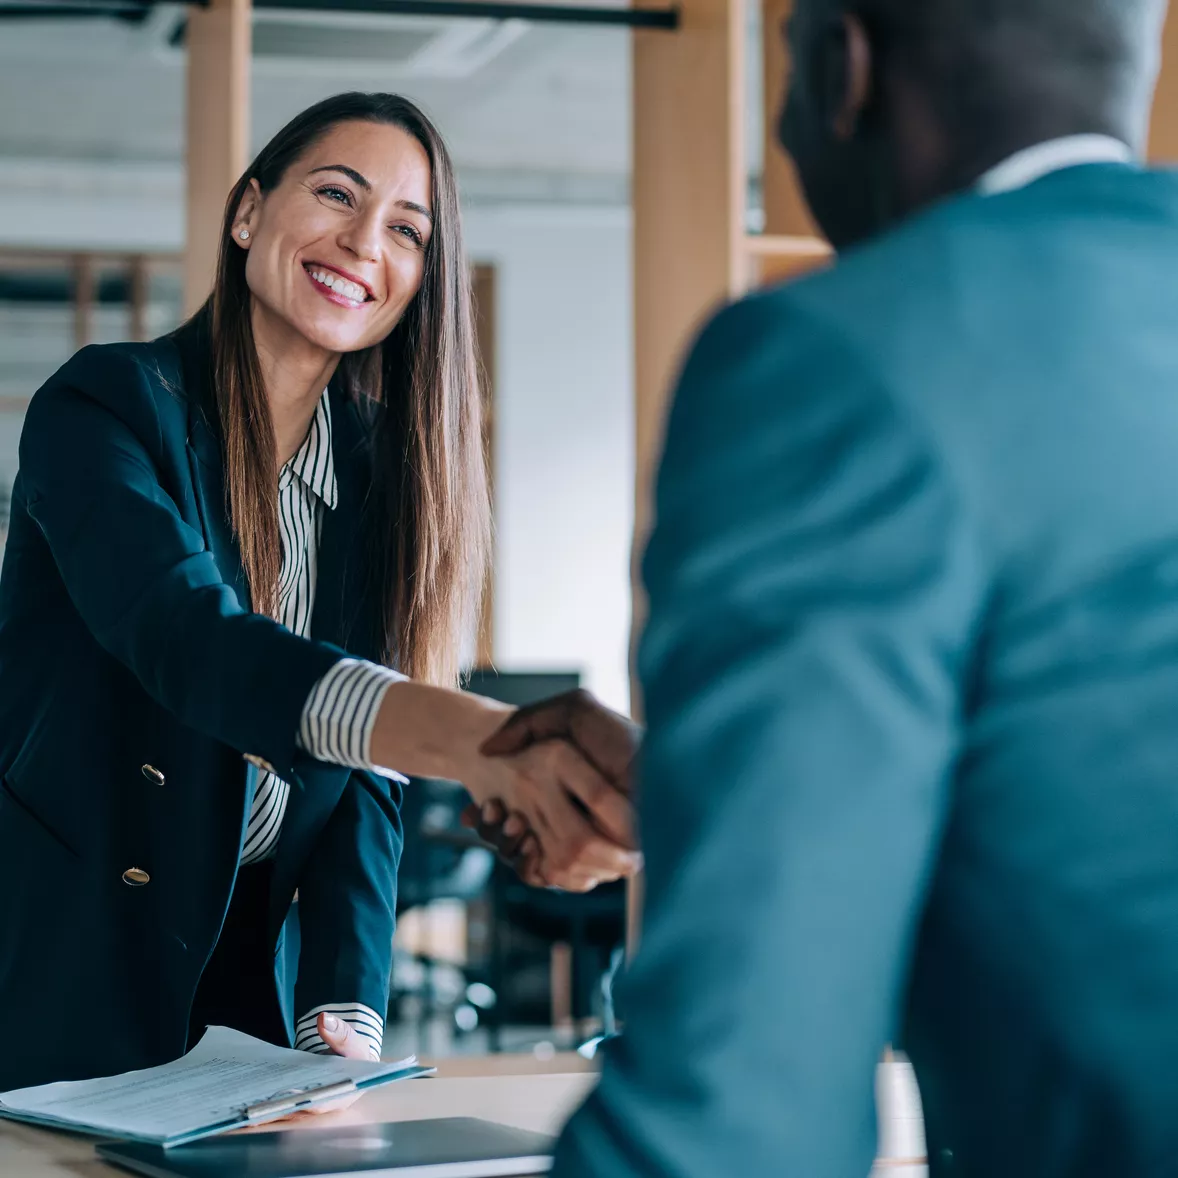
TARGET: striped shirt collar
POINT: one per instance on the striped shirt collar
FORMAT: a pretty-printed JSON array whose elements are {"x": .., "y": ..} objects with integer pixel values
[{"x": 313, "y": 464}]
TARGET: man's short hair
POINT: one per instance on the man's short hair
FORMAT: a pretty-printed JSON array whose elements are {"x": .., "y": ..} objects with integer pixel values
[{"x": 978, "y": 53}]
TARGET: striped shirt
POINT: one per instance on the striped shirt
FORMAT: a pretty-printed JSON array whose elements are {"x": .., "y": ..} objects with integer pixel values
[{"x": 337, "y": 720}]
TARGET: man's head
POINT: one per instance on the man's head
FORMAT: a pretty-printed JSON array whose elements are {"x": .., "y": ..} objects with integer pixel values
[{"x": 896, "y": 103}]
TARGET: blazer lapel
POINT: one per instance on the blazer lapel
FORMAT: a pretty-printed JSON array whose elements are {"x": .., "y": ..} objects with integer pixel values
[
  {"x": 206, "y": 459},
  {"x": 207, "y": 467}
]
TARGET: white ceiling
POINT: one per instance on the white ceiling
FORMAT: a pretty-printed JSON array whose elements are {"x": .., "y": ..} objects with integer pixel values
[{"x": 547, "y": 115}]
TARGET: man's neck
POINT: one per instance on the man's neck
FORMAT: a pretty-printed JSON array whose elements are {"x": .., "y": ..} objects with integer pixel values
[
  {"x": 999, "y": 144},
  {"x": 295, "y": 372}
]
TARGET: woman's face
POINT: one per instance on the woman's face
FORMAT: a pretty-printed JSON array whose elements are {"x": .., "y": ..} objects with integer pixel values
[{"x": 337, "y": 249}]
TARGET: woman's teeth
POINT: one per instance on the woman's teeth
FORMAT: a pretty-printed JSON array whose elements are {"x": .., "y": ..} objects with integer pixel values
[{"x": 341, "y": 286}]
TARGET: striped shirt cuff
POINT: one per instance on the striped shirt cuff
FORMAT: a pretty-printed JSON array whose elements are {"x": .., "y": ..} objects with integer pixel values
[
  {"x": 363, "y": 1021},
  {"x": 340, "y": 713}
]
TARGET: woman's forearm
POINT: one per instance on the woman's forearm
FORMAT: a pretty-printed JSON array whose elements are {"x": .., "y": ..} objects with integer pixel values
[
  {"x": 426, "y": 731},
  {"x": 584, "y": 825}
]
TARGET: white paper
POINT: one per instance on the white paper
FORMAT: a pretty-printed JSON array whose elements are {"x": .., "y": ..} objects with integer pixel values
[{"x": 210, "y": 1086}]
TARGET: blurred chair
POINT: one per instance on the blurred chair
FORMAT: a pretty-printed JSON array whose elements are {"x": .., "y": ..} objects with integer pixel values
[
  {"x": 441, "y": 860},
  {"x": 592, "y": 926}
]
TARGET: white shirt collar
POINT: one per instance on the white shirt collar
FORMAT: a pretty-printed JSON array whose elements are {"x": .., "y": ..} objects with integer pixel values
[
  {"x": 314, "y": 464},
  {"x": 1033, "y": 163}
]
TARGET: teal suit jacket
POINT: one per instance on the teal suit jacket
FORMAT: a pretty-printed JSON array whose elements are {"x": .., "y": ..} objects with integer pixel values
[{"x": 911, "y": 676}]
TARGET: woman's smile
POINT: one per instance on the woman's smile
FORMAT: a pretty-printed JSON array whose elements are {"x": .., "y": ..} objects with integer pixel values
[{"x": 337, "y": 287}]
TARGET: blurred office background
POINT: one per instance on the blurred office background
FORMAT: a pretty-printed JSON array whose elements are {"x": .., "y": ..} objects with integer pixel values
[{"x": 92, "y": 233}]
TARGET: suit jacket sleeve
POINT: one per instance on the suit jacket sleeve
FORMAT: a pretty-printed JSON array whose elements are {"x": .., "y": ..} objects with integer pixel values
[
  {"x": 348, "y": 897},
  {"x": 813, "y": 590},
  {"x": 141, "y": 577}
]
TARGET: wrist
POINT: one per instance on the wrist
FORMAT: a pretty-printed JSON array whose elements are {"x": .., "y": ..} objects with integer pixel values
[
  {"x": 470, "y": 721},
  {"x": 428, "y": 731}
]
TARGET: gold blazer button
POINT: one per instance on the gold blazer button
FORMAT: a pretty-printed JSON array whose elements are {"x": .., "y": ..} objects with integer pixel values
[
  {"x": 152, "y": 774},
  {"x": 136, "y": 877}
]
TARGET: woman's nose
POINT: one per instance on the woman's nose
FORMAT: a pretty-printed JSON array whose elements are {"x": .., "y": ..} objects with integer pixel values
[{"x": 362, "y": 237}]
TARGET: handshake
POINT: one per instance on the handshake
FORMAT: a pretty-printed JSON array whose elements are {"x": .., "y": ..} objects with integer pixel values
[{"x": 565, "y": 816}]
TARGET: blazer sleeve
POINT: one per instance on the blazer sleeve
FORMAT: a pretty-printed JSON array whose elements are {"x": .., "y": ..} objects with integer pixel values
[
  {"x": 141, "y": 577},
  {"x": 813, "y": 591},
  {"x": 348, "y": 900}
]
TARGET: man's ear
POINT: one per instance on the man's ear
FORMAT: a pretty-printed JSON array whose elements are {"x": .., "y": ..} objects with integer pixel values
[
  {"x": 850, "y": 76},
  {"x": 245, "y": 220}
]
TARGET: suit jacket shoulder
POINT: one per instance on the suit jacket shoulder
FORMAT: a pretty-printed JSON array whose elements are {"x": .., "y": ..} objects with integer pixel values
[{"x": 141, "y": 384}]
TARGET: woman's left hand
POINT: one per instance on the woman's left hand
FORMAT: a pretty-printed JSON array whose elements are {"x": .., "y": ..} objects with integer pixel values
[
  {"x": 339, "y": 1036},
  {"x": 342, "y": 1040}
]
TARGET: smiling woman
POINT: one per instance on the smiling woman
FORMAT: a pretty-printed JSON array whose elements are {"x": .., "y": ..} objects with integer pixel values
[
  {"x": 242, "y": 558},
  {"x": 347, "y": 191}
]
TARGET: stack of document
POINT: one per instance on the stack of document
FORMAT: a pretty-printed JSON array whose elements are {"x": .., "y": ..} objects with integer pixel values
[{"x": 227, "y": 1081}]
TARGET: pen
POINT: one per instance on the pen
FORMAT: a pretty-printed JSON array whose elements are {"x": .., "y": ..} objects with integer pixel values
[{"x": 297, "y": 1100}]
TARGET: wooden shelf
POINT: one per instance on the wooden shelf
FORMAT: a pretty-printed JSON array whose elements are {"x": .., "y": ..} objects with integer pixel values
[
  {"x": 767, "y": 245},
  {"x": 773, "y": 258}
]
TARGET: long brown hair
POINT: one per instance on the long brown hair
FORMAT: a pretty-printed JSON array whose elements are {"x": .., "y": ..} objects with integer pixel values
[{"x": 429, "y": 505}]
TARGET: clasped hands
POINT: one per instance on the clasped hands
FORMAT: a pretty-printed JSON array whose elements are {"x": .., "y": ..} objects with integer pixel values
[
  {"x": 552, "y": 783},
  {"x": 565, "y": 816}
]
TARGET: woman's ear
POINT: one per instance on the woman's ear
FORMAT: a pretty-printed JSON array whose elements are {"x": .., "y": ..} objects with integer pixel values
[
  {"x": 247, "y": 214},
  {"x": 851, "y": 77}
]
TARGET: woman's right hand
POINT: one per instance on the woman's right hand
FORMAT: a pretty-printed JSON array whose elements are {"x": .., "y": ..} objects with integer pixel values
[{"x": 584, "y": 826}]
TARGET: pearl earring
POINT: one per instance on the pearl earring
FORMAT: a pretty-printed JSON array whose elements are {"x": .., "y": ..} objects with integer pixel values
[{"x": 244, "y": 235}]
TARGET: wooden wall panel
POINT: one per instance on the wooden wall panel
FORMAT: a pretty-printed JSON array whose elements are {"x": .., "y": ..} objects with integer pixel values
[
  {"x": 1163, "y": 139},
  {"x": 217, "y": 122},
  {"x": 689, "y": 196}
]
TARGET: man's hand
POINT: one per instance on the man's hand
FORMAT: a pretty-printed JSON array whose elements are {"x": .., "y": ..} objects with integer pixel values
[{"x": 607, "y": 740}]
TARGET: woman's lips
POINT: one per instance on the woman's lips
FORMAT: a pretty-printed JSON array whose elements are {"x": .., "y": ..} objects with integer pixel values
[{"x": 339, "y": 290}]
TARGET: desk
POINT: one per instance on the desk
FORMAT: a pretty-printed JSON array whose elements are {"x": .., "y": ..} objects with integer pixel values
[
  {"x": 541, "y": 1103},
  {"x": 462, "y": 1088}
]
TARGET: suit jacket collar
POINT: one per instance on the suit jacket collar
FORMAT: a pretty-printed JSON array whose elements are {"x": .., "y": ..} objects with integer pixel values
[{"x": 205, "y": 456}]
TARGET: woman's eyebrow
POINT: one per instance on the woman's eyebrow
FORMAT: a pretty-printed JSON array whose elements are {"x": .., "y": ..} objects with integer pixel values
[
  {"x": 351, "y": 174},
  {"x": 363, "y": 182},
  {"x": 413, "y": 207}
]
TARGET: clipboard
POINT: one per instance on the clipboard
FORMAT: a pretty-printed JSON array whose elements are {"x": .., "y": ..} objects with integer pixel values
[{"x": 229, "y": 1080}]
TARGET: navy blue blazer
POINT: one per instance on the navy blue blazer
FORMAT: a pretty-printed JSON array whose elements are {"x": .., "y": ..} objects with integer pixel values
[{"x": 126, "y": 640}]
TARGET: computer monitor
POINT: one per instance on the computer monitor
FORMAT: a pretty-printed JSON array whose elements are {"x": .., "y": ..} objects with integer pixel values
[{"x": 520, "y": 688}]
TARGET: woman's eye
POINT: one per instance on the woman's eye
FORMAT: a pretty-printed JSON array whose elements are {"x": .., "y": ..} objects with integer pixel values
[
  {"x": 408, "y": 231},
  {"x": 333, "y": 193}
]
